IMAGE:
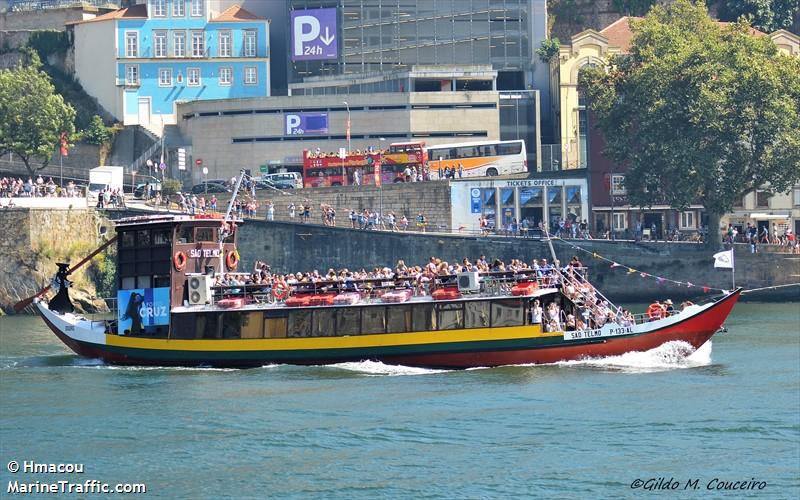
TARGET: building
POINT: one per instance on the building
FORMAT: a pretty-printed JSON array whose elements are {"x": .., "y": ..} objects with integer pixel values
[
  {"x": 228, "y": 135},
  {"x": 582, "y": 145},
  {"x": 140, "y": 61},
  {"x": 546, "y": 198}
]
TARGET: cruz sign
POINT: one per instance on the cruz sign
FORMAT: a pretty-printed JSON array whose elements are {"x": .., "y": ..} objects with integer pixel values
[{"x": 314, "y": 34}]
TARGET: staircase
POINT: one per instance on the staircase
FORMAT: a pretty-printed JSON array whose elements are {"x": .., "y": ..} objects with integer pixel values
[{"x": 150, "y": 153}]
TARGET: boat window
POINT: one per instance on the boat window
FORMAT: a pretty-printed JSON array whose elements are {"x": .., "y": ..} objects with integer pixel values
[
  {"x": 162, "y": 237},
  {"x": 348, "y": 320},
  {"x": 204, "y": 234},
  {"x": 275, "y": 324},
  {"x": 231, "y": 325},
  {"x": 206, "y": 326},
  {"x": 252, "y": 326},
  {"x": 299, "y": 324},
  {"x": 424, "y": 319},
  {"x": 143, "y": 238},
  {"x": 373, "y": 320},
  {"x": 161, "y": 281},
  {"x": 183, "y": 326},
  {"x": 186, "y": 234},
  {"x": 507, "y": 312},
  {"x": 323, "y": 323},
  {"x": 128, "y": 239},
  {"x": 398, "y": 319},
  {"x": 450, "y": 316},
  {"x": 476, "y": 314}
]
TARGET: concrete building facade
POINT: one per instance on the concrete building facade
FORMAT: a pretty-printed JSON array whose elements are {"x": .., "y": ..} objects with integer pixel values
[
  {"x": 140, "y": 61},
  {"x": 227, "y": 135}
]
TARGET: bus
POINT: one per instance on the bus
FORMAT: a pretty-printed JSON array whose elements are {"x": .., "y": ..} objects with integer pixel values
[
  {"x": 483, "y": 158},
  {"x": 375, "y": 167}
]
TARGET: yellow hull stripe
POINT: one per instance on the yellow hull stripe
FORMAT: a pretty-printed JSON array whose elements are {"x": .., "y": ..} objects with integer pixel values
[{"x": 357, "y": 341}]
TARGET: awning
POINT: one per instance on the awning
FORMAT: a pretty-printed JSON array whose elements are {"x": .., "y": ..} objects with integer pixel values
[{"x": 755, "y": 215}]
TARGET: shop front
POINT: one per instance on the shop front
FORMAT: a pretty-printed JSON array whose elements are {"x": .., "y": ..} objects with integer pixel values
[{"x": 507, "y": 203}]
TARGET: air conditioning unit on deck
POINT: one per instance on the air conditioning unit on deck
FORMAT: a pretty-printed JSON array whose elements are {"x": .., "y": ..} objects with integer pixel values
[
  {"x": 468, "y": 282},
  {"x": 199, "y": 289}
]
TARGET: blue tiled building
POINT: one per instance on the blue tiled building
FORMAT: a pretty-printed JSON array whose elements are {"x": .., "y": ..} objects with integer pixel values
[{"x": 140, "y": 60}]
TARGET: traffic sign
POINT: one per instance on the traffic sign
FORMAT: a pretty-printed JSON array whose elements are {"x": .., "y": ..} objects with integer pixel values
[
  {"x": 263, "y": 169},
  {"x": 198, "y": 162}
]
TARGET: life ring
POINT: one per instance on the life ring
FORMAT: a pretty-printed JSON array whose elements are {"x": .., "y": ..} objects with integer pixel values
[
  {"x": 655, "y": 311},
  {"x": 231, "y": 260},
  {"x": 280, "y": 291},
  {"x": 179, "y": 260}
]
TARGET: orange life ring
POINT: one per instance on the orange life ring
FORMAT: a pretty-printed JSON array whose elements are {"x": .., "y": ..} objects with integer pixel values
[
  {"x": 280, "y": 291},
  {"x": 231, "y": 260},
  {"x": 655, "y": 311},
  {"x": 179, "y": 260}
]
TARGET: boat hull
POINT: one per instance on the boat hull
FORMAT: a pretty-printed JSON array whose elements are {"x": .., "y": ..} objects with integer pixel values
[{"x": 441, "y": 349}]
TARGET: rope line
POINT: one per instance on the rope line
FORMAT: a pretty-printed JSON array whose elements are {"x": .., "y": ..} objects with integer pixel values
[
  {"x": 659, "y": 279},
  {"x": 769, "y": 287}
]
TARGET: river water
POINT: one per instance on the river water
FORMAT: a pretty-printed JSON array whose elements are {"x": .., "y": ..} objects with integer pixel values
[{"x": 668, "y": 418}]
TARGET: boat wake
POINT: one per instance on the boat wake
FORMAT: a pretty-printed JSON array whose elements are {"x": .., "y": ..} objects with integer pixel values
[
  {"x": 376, "y": 369},
  {"x": 669, "y": 356}
]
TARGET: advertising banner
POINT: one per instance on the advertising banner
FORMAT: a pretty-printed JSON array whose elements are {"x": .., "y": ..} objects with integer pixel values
[
  {"x": 306, "y": 123},
  {"x": 141, "y": 307},
  {"x": 314, "y": 34}
]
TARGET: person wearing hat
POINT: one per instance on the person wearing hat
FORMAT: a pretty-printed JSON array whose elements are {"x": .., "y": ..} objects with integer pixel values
[{"x": 668, "y": 306}]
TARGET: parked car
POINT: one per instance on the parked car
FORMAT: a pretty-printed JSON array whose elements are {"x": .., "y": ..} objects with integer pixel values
[
  {"x": 138, "y": 191},
  {"x": 271, "y": 184},
  {"x": 210, "y": 187}
]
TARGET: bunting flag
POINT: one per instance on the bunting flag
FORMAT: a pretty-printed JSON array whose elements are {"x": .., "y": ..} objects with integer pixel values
[
  {"x": 661, "y": 280},
  {"x": 63, "y": 144}
]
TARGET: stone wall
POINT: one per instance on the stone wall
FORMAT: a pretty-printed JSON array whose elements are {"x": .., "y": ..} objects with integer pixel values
[
  {"x": 432, "y": 198},
  {"x": 43, "y": 19},
  {"x": 81, "y": 159},
  {"x": 34, "y": 240},
  {"x": 293, "y": 247}
]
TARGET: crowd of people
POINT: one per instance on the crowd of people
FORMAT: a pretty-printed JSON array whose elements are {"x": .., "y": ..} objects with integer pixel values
[
  {"x": 755, "y": 237},
  {"x": 11, "y": 187},
  {"x": 586, "y": 308}
]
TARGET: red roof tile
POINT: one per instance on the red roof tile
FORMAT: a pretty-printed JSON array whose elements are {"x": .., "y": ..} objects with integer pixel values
[
  {"x": 236, "y": 13},
  {"x": 138, "y": 11},
  {"x": 619, "y": 32}
]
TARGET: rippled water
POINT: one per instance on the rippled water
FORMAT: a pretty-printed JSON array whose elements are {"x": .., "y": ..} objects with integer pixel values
[{"x": 730, "y": 412}]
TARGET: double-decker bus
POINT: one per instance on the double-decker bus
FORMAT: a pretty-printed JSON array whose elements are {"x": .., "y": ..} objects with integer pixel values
[
  {"x": 483, "y": 158},
  {"x": 374, "y": 167}
]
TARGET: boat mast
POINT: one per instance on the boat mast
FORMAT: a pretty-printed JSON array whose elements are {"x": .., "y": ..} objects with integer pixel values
[{"x": 227, "y": 222}]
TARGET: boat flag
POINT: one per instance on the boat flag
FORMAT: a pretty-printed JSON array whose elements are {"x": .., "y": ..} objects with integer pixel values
[{"x": 724, "y": 259}]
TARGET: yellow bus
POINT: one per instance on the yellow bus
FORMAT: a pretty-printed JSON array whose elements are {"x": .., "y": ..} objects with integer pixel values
[{"x": 478, "y": 159}]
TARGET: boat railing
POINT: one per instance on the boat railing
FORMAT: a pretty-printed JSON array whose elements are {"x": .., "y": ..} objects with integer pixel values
[{"x": 496, "y": 283}]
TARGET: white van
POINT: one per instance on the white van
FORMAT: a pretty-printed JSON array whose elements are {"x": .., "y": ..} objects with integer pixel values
[{"x": 292, "y": 178}]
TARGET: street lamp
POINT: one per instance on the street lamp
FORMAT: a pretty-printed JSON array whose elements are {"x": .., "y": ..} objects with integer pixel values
[{"x": 348, "y": 126}]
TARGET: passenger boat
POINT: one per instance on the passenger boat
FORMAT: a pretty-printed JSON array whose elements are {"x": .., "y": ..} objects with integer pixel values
[{"x": 169, "y": 312}]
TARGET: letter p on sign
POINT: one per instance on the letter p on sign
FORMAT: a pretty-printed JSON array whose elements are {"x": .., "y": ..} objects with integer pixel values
[
  {"x": 292, "y": 122},
  {"x": 301, "y": 36}
]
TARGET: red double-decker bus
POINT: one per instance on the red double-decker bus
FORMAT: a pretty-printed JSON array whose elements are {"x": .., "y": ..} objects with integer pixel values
[{"x": 374, "y": 167}]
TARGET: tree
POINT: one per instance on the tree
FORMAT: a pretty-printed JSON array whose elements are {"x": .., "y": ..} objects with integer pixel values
[
  {"x": 32, "y": 115},
  {"x": 96, "y": 132},
  {"x": 698, "y": 111},
  {"x": 548, "y": 50},
  {"x": 766, "y": 15}
]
